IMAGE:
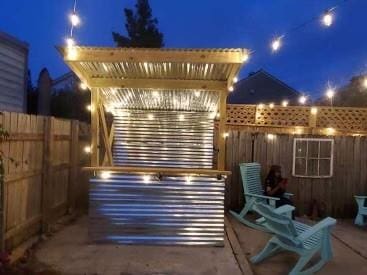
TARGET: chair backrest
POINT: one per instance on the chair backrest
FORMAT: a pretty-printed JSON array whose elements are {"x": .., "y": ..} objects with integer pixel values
[
  {"x": 280, "y": 225},
  {"x": 251, "y": 180}
]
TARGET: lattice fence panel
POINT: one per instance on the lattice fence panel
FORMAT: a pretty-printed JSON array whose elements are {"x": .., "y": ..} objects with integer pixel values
[
  {"x": 282, "y": 116},
  {"x": 343, "y": 118},
  {"x": 241, "y": 114}
]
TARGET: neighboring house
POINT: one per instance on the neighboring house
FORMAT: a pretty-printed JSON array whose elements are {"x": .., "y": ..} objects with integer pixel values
[
  {"x": 66, "y": 82},
  {"x": 13, "y": 73},
  {"x": 262, "y": 87}
]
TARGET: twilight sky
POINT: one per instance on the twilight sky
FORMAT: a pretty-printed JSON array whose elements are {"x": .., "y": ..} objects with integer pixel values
[{"x": 310, "y": 57}]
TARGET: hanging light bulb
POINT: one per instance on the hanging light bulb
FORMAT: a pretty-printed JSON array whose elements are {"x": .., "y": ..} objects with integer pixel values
[
  {"x": 146, "y": 178},
  {"x": 83, "y": 86},
  {"x": 270, "y": 136},
  {"x": 302, "y": 100},
  {"x": 230, "y": 88},
  {"x": 245, "y": 57},
  {"x": 365, "y": 82},
  {"x": 87, "y": 149},
  {"x": 260, "y": 105},
  {"x": 285, "y": 103},
  {"x": 70, "y": 42},
  {"x": 74, "y": 19},
  {"x": 89, "y": 108},
  {"x": 197, "y": 93},
  {"x": 271, "y": 105},
  {"x": 225, "y": 135},
  {"x": 330, "y": 92},
  {"x": 235, "y": 79},
  {"x": 327, "y": 18},
  {"x": 314, "y": 110},
  {"x": 276, "y": 44},
  {"x": 105, "y": 175}
]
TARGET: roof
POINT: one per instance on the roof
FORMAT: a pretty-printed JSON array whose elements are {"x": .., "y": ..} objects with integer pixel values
[
  {"x": 262, "y": 87},
  {"x": 14, "y": 42},
  {"x": 118, "y": 72}
]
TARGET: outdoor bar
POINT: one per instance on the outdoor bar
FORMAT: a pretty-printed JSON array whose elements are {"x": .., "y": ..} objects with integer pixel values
[{"x": 158, "y": 121}]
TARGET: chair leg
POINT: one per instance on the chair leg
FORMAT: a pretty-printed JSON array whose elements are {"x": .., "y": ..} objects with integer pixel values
[
  {"x": 359, "y": 220},
  {"x": 302, "y": 261},
  {"x": 269, "y": 250}
]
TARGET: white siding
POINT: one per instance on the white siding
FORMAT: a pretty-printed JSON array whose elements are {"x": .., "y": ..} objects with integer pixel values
[{"x": 13, "y": 73}]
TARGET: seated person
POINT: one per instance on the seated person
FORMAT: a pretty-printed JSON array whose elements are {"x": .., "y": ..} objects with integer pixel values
[{"x": 275, "y": 186}]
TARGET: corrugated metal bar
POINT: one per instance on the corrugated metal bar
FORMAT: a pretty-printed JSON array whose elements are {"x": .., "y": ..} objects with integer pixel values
[
  {"x": 163, "y": 139},
  {"x": 130, "y": 209}
]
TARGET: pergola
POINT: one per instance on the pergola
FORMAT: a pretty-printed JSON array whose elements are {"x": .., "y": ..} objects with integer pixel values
[{"x": 169, "y": 119}]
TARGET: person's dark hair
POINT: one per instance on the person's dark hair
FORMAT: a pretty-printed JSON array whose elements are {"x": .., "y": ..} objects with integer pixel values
[{"x": 273, "y": 170}]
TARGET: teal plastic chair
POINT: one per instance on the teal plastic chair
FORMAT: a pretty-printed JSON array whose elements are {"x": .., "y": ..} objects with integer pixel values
[
  {"x": 362, "y": 210},
  {"x": 254, "y": 193},
  {"x": 296, "y": 237}
]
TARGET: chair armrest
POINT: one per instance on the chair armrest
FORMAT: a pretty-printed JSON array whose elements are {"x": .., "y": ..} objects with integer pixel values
[
  {"x": 361, "y": 197},
  {"x": 327, "y": 222},
  {"x": 262, "y": 196},
  {"x": 288, "y": 194},
  {"x": 285, "y": 210}
]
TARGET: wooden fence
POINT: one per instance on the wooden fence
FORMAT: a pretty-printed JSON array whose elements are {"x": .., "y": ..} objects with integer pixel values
[
  {"x": 44, "y": 180},
  {"x": 248, "y": 141}
]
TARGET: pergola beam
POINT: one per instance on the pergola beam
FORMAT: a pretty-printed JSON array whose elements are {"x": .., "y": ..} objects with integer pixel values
[
  {"x": 160, "y": 84},
  {"x": 157, "y": 55}
]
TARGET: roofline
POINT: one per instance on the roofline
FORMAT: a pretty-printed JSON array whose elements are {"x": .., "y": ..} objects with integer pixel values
[
  {"x": 273, "y": 77},
  {"x": 13, "y": 41}
]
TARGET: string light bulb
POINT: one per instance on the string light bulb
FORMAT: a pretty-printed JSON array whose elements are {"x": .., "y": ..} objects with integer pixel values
[
  {"x": 197, "y": 93},
  {"x": 181, "y": 117},
  {"x": 87, "y": 149},
  {"x": 328, "y": 18},
  {"x": 330, "y": 92},
  {"x": 146, "y": 178},
  {"x": 365, "y": 82},
  {"x": 235, "y": 79},
  {"x": 150, "y": 117},
  {"x": 260, "y": 105},
  {"x": 270, "y": 136},
  {"x": 89, "y": 108},
  {"x": 105, "y": 175},
  {"x": 314, "y": 110},
  {"x": 302, "y": 100},
  {"x": 70, "y": 42},
  {"x": 225, "y": 135},
  {"x": 83, "y": 86},
  {"x": 271, "y": 105},
  {"x": 245, "y": 57},
  {"x": 230, "y": 88},
  {"x": 72, "y": 53},
  {"x": 74, "y": 19},
  {"x": 276, "y": 44},
  {"x": 285, "y": 103}
]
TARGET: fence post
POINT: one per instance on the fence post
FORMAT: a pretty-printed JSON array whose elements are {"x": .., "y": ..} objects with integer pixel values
[
  {"x": 74, "y": 164},
  {"x": 47, "y": 172}
]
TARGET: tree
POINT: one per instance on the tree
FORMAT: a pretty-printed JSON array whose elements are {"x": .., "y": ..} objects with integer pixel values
[
  {"x": 141, "y": 27},
  {"x": 32, "y": 96}
]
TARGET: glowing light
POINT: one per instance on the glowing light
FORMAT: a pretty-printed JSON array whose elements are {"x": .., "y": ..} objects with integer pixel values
[
  {"x": 245, "y": 57},
  {"x": 276, "y": 44},
  {"x": 87, "y": 149},
  {"x": 212, "y": 115},
  {"x": 155, "y": 94},
  {"x": 330, "y": 92},
  {"x": 327, "y": 19},
  {"x": 72, "y": 53},
  {"x": 302, "y": 100},
  {"x": 298, "y": 131},
  {"x": 365, "y": 82},
  {"x": 150, "y": 116},
  {"x": 74, "y": 19},
  {"x": 330, "y": 131},
  {"x": 89, "y": 108},
  {"x": 83, "y": 86},
  {"x": 105, "y": 175},
  {"x": 235, "y": 79},
  {"x": 230, "y": 88},
  {"x": 188, "y": 179},
  {"x": 217, "y": 115},
  {"x": 285, "y": 103},
  {"x": 271, "y": 105},
  {"x": 181, "y": 117},
  {"x": 225, "y": 135},
  {"x": 260, "y": 105},
  {"x": 196, "y": 93},
  {"x": 146, "y": 178},
  {"x": 314, "y": 110},
  {"x": 270, "y": 136},
  {"x": 70, "y": 42}
]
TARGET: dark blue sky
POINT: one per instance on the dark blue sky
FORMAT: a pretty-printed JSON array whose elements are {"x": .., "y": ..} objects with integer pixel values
[{"x": 309, "y": 58}]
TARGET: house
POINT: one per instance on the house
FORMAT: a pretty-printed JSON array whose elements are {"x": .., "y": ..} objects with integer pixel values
[
  {"x": 65, "y": 82},
  {"x": 13, "y": 73},
  {"x": 262, "y": 87}
]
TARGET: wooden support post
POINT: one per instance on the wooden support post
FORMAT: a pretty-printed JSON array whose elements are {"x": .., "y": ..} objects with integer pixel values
[
  {"x": 94, "y": 128},
  {"x": 106, "y": 142},
  {"x": 221, "y": 131},
  {"x": 110, "y": 142},
  {"x": 74, "y": 164},
  {"x": 47, "y": 172}
]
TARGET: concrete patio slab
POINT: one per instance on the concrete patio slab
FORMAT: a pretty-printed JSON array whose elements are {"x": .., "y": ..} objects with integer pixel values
[
  {"x": 68, "y": 252},
  {"x": 345, "y": 261}
]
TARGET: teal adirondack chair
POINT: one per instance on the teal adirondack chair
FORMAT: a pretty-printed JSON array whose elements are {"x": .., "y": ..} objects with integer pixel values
[
  {"x": 254, "y": 193},
  {"x": 362, "y": 210},
  {"x": 296, "y": 237}
]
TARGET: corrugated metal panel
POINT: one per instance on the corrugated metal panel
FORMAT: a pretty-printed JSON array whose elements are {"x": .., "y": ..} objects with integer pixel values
[
  {"x": 145, "y": 99},
  {"x": 129, "y": 209},
  {"x": 163, "y": 139}
]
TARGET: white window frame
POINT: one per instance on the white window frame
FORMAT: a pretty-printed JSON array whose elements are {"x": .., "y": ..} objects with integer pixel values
[{"x": 318, "y": 157}]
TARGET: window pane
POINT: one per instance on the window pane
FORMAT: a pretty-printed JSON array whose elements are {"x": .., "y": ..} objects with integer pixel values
[
  {"x": 300, "y": 167},
  {"x": 325, "y": 149},
  {"x": 312, "y": 167},
  {"x": 325, "y": 167},
  {"x": 301, "y": 148},
  {"x": 313, "y": 149}
]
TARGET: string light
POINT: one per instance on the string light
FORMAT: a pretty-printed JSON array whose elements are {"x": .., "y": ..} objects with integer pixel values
[
  {"x": 330, "y": 92},
  {"x": 276, "y": 44},
  {"x": 314, "y": 110},
  {"x": 270, "y": 136},
  {"x": 365, "y": 82},
  {"x": 87, "y": 149},
  {"x": 188, "y": 179},
  {"x": 230, "y": 88},
  {"x": 285, "y": 103},
  {"x": 271, "y": 105},
  {"x": 70, "y": 42},
  {"x": 150, "y": 117},
  {"x": 328, "y": 18},
  {"x": 83, "y": 86},
  {"x": 155, "y": 94},
  {"x": 302, "y": 100},
  {"x": 225, "y": 135},
  {"x": 330, "y": 131},
  {"x": 74, "y": 19},
  {"x": 105, "y": 175},
  {"x": 197, "y": 93},
  {"x": 72, "y": 53},
  {"x": 181, "y": 117},
  {"x": 260, "y": 105},
  {"x": 245, "y": 57},
  {"x": 146, "y": 178},
  {"x": 89, "y": 108},
  {"x": 235, "y": 79}
]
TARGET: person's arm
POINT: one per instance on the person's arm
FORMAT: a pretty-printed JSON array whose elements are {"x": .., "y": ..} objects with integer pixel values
[{"x": 271, "y": 192}]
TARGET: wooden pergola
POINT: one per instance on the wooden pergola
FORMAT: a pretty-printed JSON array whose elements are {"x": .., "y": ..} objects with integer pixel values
[{"x": 202, "y": 70}]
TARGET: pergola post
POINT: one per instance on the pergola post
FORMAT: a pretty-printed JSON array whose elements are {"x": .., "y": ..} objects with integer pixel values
[
  {"x": 94, "y": 127},
  {"x": 221, "y": 131}
]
